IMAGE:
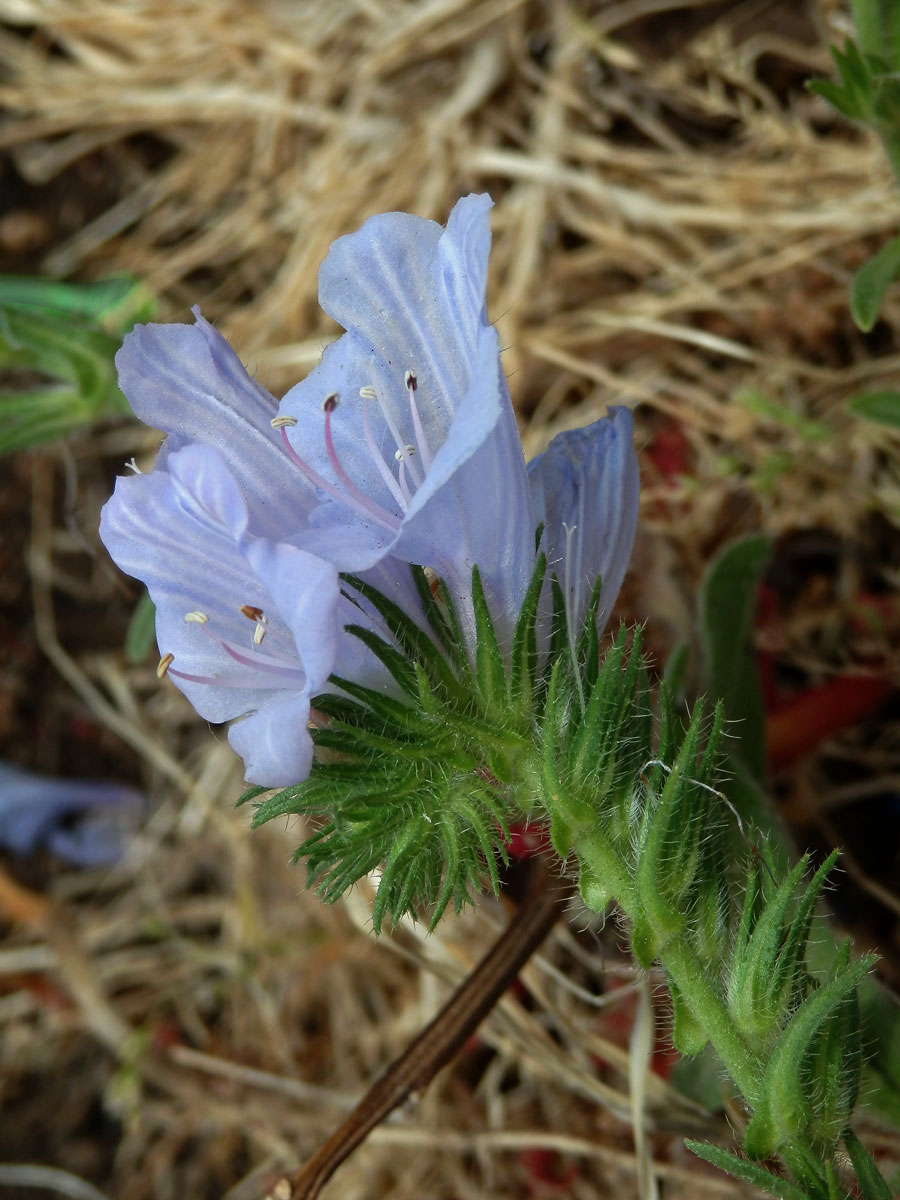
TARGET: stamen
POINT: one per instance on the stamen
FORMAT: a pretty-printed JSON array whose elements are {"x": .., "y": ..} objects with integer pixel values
[
  {"x": 368, "y": 393},
  {"x": 259, "y": 633},
  {"x": 378, "y": 459},
  {"x": 329, "y": 405},
  {"x": 395, "y": 434},
  {"x": 196, "y": 618},
  {"x": 282, "y": 422},
  {"x": 358, "y": 502},
  {"x": 163, "y": 667},
  {"x": 424, "y": 449},
  {"x": 251, "y": 612},
  {"x": 132, "y": 466},
  {"x": 402, "y": 458}
]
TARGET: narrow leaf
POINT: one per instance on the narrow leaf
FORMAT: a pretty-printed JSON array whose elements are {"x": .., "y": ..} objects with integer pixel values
[{"x": 871, "y": 282}]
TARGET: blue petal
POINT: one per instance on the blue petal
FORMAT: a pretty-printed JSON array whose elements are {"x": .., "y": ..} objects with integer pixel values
[
  {"x": 181, "y": 531},
  {"x": 413, "y": 294},
  {"x": 412, "y": 297},
  {"x": 80, "y": 822},
  {"x": 274, "y": 742},
  {"x": 585, "y": 489},
  {"x": 474, "y": 506},
  {"x": 187, "y": 381}
]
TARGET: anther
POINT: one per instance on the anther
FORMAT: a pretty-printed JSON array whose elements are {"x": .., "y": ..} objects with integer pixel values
[
  {"x": 406, "y": 452},
  {"x": 368, "y": 393},
  {"x": 280, "y": 422},
  {"x": 164, "y": 663},
  {"x": 410, "y": 380},
  {"x": 259, "y": 633},
  {"x": 330, "y": 403},
  {"x": 251, "y": 612},
  {"x": 196, "y": 618}
]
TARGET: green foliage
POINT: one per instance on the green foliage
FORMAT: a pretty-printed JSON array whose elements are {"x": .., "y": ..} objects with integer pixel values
[
  {"x": 746, "y": 1172},
  {"x": 727, "y": 607},
  {"x": 881, "y": 406},
  {"x": 868, "y": 90},
  {"x": 140, "y": 636},
  {"x": 871, "y": 282},
  {"x": 417, "y": 781},
  {"x": 59, "y": 341}
]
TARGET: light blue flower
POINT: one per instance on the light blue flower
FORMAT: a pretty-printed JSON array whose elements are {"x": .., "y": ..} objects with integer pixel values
[
  {"x": 406, "y": 427},
  {"x": 82, "y": 823},
  {"x": 248, "y": 626},
  {"x": 585, "y": 491},
  {"x": 400, "y": 447}
]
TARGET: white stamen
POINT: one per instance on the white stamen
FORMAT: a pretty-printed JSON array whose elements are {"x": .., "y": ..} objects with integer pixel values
[
  {"x": 259, "y": 633},
  {"x": 368, "y": 393},
  {"x": 196, "y": 618},
  {"x": 424, "y": 449},
  {"x": 163, "y": 666},
  {"x": 404, "y": 454},
  {"x": 376, "y": 455},
  {"x": 281, "y": 422}
]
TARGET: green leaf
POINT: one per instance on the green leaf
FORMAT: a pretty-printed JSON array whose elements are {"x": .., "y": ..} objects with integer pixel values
[
  {"x": 747, "y": 1172},
  {"x": 115, "y": 304},
  {"x": 727, "y": 608},
  {"x": 871, "y": 282},
  {"x": 882, "y": 406},
  {"x": 872, "y": 1183},
  {"x": 140, "y": 636},
  {"x": 878, "y": 29}
]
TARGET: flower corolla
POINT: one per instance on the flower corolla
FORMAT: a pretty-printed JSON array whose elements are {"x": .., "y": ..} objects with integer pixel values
[{"x": 400, "y": 448}]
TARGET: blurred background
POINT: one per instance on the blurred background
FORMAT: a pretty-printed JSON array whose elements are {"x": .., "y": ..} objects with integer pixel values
[{"x": 677, "y": 223}]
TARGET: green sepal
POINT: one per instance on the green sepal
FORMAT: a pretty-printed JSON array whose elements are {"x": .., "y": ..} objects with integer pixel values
[
  {"x": 769, "y": 951},
  {"x": 784, "y": 1109},
  {"x": 747, "y": 1172},
  {"x": 524, "y": 654},
  {"x": 441, "y": 617},
  {"x": 688, "y": 1034},
  {"x": 416, "y": 644},
  {"x": 587, "y": 649},
  {"x": 490, "y": 669},
  {"x": 396, "y": 664},
  {"x": 672, "y": 831},
  {"x": 872, "y": 1184},
  {"x": 249, "y": 795}
]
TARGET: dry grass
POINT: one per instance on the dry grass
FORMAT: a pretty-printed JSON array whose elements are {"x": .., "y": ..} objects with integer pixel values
[{"x": 676, "y": 224}]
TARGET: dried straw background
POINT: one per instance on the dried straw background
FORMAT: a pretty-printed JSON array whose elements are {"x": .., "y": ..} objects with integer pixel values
[{"x": 676, "y": 224}]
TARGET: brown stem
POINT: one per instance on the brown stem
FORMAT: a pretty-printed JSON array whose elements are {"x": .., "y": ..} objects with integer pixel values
[{"x": 440, "y": 1040}]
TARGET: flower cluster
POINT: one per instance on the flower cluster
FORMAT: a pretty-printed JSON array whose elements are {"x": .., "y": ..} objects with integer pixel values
[{"x": 400, "y": 448}]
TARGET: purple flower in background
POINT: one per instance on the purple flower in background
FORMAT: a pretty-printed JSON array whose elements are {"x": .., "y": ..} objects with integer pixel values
[
  {"x": 400, "y": 447},
  {"x": 85, "y": 824}
]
